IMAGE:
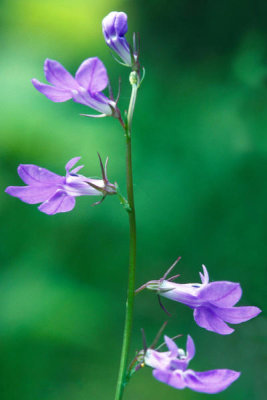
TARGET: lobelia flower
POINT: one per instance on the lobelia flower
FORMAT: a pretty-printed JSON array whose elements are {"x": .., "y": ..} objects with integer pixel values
[
  {"x": 86, "y": 88},
  {"x": 170, "y": 367},
  {"x": 114, "y": 27},
  {"x": 213, "y": 303},
  {"x": 57, "y": 193}
]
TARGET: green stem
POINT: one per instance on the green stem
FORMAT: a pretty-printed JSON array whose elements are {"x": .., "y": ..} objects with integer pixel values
[{"x": 132, "y": 251}]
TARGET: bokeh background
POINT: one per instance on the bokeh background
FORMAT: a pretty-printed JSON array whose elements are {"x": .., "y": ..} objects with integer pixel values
[{"x": 200, "y": 164}]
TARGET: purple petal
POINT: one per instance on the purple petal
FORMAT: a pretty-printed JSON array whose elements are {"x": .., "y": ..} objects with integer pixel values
[
  {"x": 205, "y": 276},
  {"x": 32, "y": 194},
  {"x": 77, "y": 169},
  {"x": 58, "y": 203},
  {"x": 120, "y": 23},
  {"x": 190, "y": 348},
  {"x": 97, "y": 101},
  {"x": 207, "y": 319},
  {"x": 213, "y": 381},
  {"x": 171, "y": 346},
  {"x": 52, "y": 93},
  {"x": 115, "y": 23},
  {"x": 157, "y": 359},
  {"x": 56, "y": 74},
  {"x": 71, "y": 163},
  {"x": 177, "y": 364},
  {"x": 221, "y": 293},
  {"x": 236, "y": 315},
  {"x": 92, "y": 75},
  {"x": 121, "y": 47},
  {"x": 171, "y": 378},
  {"x": 34, "y": 175}
]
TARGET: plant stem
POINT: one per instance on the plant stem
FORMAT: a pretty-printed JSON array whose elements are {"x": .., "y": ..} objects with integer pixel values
[{"x": 132, "y": 250}]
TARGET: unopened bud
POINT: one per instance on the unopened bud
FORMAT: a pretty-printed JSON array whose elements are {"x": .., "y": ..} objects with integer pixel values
[{"x": 133, "y": 78}]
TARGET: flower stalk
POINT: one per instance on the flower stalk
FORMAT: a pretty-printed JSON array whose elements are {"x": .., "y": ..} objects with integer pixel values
[{"x": 132, "y": 246}]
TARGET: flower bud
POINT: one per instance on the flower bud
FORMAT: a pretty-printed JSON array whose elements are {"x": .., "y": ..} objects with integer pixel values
[{"x": 114, "y": 27}]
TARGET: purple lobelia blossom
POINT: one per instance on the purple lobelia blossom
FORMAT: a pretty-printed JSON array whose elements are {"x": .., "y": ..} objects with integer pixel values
[
  {"x": 114, "y": 27},
  {"x": 86, "y": 88},
  {"x": 170, "y": 367},
  {"x": 57, "y": 193},
  {"x": 213, "y": 302}
]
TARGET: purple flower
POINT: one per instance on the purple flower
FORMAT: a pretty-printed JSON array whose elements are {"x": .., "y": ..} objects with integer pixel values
[
  {"x": 213, "y": 303},
  {"x": 57, "y": 193},
  {"x": 170, "y": 367},
  {"x": 114, "y": 27},
  {"x": 86, "y": 88}
]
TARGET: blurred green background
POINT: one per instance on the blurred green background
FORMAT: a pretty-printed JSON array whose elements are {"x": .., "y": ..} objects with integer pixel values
[{"x": 200, "y": 164}]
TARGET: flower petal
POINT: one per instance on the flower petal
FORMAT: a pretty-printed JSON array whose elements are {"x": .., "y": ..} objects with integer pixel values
[
  {"x": 171, "y": 378},
  {"x": 120, "y": 23},
  {"x": 213, "y": 381},
  {"x": 205, "y": 276},
  {"x": 207, "y": 319},
  {"x": 77, "y": 169},
  {"x": 190, "y": 348},
  {"x": 171, "y": 346},
  {"x": 115, "y": 23},
  {"x": 35, "y": 176},
  {"x": 32, "y": 194},
  {"x": 97, "y": 101},
  {"x": 60, "y": 202},
  {"x": 92, "y": 75},
  {"x": 71, "y": 163},
  {"x": 236, "y": 315},
  {"x": 52, "y": 93},
  {"x": 221, "y": 293},
  {"x": 56, "y": 74},
  {"x": 157, "y": 359}
]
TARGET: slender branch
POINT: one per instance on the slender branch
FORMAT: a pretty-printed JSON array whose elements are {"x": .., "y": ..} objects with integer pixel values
[{"x": 132, "y": 250}]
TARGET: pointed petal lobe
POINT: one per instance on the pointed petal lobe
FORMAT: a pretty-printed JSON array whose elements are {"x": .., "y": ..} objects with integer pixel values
[
  {"x": 171, "y": 346},
  {"x": 52, "y": 93},
  {"x": 236, "y": 315},
  {"x": 190, "y": 348},
  {"x": 77, "y": 169},
  {"x": 71, "y": 163},
  {"x": 92, "y": 75},
  {"x": 58, "y": 203},
  {"x": 32, "y": 194},
  {"x": 207, "y": 319},
  {"x": 213, "y": 381},
  {"x": 204, "y": 276},
  {"x": 56, "y": 74},
  {"x": 221, "y": 293},
  {"x": 34, "y": 175}
]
